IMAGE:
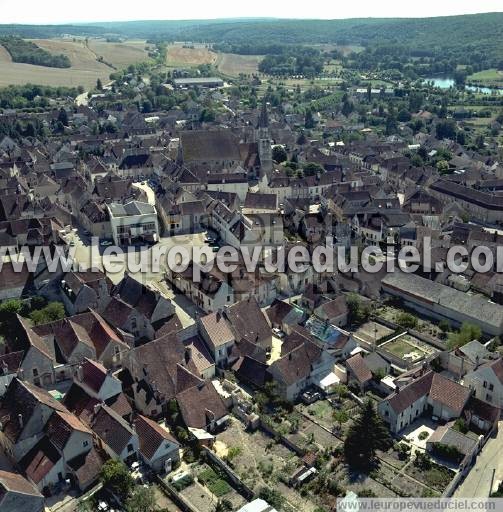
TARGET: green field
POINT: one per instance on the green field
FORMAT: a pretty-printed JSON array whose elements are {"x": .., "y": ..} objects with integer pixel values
[{"x": 487, "y": 77}]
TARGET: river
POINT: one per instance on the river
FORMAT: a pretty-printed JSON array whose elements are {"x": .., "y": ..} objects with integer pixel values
[{"x": 443, "y": 82}]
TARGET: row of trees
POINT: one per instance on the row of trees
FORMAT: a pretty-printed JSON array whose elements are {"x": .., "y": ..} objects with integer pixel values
[
  {"x": 33, "y": 96},
  {"x": 29, "y": 53}
]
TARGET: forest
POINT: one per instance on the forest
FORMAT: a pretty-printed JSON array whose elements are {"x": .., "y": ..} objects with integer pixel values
[{"x": 439, "y": 43}]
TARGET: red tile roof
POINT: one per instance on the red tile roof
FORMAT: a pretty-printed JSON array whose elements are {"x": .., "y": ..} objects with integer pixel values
[
  {"x": 40, "y": 460},
  {"x": 151, "y": 436},
  {"x": 449, "y": 393},
  {"x": 358, "y": 367}
]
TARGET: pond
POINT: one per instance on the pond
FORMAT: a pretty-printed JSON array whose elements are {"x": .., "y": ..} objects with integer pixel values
[{"x": 443, "y": 82}]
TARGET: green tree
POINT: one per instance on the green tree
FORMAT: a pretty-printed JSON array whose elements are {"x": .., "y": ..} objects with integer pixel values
[
  {"x": 358, "y": 312},
  {"x": 443, "y": 166},
  {"x": 479, "y": 141},
  {"x": 404, "y": 116},
  {"x": 367, "y": 434},
  {"x": 415, "y": 101},
  {"x": 301, "y": 139},
  {"x": 146, "y": 107},
  {"x": 272, "y": 496},
  {"x": 407, "y": 320},
  {"x": 391, "y": 124},
  {"x": 309, "y": 119},
  {"x": 141, "y": 500},
  {"x": 311, "y": 169},
  {"x": 341, "y": 391},
  {"x": 347, "y": 106},
  {"x": 416, "y": 161},
  {"x": 116, "y": 477},
  {"x": 340, "y": 416},
  {"x": 460, "y": 77},
  {"x": 207, "y": 115},
  {"x": 63, "y": 117},
  {"x": 50, "y": 313},
  {"x": 446, "y": 129},
  {"x": 467, "y": 333},
  {"x": 444, "y": 325},
  {"x": 279, "y": 154},
  {"x": 224, "y": 506},
  {"x": 8, "y": 311}
]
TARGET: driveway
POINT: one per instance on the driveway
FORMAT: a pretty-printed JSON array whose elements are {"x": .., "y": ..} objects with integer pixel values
[
  {"x": 488, "y": 464},
  {"x": 148, "y": 191}
]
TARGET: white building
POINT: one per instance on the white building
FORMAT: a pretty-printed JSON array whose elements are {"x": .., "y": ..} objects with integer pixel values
[
  {"x": 133, "y": 222},
  {"x": 487, "y": 382},
  {"x": 257, "y": 505}
]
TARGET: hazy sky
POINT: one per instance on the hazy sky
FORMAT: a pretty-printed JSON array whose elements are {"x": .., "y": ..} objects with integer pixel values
[{"x": 63, "y": 11}]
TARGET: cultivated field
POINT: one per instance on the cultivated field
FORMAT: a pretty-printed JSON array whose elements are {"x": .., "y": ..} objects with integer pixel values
[
  {"x": 233, "y": 65},
  {"x": 119, "y": 55},
  {"x": 85, "y": 68},
  {"x": 179, "y": 56}
]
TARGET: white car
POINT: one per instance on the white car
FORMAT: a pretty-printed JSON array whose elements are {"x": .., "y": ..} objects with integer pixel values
[
  {"x": 278, "y": 333},
  {"x": 106, "y": 243}
]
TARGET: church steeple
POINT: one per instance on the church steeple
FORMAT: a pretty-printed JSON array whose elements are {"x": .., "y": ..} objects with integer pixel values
[
  {"x": 264, "y": 141},
  {"x": 263, "y": 120}
]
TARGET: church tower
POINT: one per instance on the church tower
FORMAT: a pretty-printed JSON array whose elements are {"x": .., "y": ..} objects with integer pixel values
[{"x": 264, "y": 141}]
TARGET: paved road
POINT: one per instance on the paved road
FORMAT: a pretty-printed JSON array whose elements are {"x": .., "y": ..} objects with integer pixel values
[
  {"x": 82, "y": 99},
  {"x": 477, "y": 483},
  {"x": 148, "y": 191}
]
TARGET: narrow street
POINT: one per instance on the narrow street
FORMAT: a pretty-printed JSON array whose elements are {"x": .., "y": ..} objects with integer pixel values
[{"x": 477, "y": 483}]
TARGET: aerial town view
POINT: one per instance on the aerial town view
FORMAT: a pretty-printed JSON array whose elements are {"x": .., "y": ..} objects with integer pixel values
[{"x": 251, "y": 256}]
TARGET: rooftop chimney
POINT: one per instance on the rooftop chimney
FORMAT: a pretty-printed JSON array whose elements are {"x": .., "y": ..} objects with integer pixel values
[{"x": 188, "y": 354}]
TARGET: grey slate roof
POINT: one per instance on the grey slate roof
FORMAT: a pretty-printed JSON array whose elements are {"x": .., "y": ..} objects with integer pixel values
[
  {"x": 131, "y": 208},
  {"x": 426, "y": 291}
]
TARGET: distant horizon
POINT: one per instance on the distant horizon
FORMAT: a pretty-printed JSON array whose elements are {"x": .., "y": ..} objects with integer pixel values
[
  {"x": 59, "y": 12},
  {"x": 244, "y": 18}
]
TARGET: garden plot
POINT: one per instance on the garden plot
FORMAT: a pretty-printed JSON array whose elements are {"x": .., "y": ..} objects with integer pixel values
[
  {"x": 262, "y": 462},
  {"x": 408, "y": 348},
  {"x": 199, "y": 497},
  {"x": 435, "y": 476},
  {"x": 360, "y": 483},
  {"x": 373, "y": 331}
]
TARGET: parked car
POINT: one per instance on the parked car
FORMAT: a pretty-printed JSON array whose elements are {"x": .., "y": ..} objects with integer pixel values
[
  {"x": 309, "y": 397},
  {"x": 106, "y": 243},
  {"x": 278, "y": 332}
]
